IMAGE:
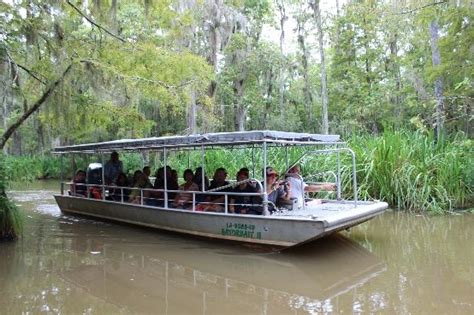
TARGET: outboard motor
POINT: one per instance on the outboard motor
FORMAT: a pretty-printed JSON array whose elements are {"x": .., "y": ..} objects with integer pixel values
[
  {"x": 94, "y": 177},
  {"x": 94, "y": 174}
]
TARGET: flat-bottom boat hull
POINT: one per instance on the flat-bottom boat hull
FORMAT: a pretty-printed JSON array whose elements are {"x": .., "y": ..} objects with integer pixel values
[{"x": 279, "y": 231}]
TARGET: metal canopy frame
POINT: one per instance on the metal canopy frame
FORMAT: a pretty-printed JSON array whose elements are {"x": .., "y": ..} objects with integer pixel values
[{"x": 196, "y": 142}]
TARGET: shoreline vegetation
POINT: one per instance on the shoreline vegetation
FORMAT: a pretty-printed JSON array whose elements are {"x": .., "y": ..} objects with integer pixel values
[
  {"x": 11, "y": 219},
  {"x": 406, "y": 169}
]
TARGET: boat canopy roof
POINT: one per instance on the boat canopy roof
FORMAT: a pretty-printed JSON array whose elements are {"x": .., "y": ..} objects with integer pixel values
[{"x": 198, "y": 140}]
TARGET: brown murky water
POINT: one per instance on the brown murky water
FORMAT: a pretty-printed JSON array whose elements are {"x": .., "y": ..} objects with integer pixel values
[{"x": 395, "y": 264}]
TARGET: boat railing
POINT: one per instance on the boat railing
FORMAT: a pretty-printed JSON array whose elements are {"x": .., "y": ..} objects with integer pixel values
[
  {"x": 311, "y": 180},
  {"x": 338, "y": 177},
  {"x": 144, "y": 196}
]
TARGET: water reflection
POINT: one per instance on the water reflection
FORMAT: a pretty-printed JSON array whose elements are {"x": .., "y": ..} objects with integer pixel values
[
  {"x": 396, "y": 264},
  {"x": 158, "y": 278}
]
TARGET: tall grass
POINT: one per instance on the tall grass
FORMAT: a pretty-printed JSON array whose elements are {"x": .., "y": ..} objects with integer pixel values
[
  {"x": 11, "y": 220},
  {"x": 410, "y": 171}
]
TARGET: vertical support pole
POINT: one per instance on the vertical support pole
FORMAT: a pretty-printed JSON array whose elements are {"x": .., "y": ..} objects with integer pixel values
[
  {"x": 141, "y": 196},
  {"x": 354, "y": 177},
  {"x": 165, "y": 176},
  {"x": 286, "y": 158},
  {"x": 73, "y": 163},
  {"x": 203, "y": 170},
  {"x": 103, "y": 175},
  {"x": 338, "y": 179},
  {"x": 253, "y": 161},
  {"x": 166, "y": 285},
  {"x": 226, "y": 203},
  {"x": 265, "y": 196},
  {"x": 62, "y": 173},
  {"x": 194, "y": 201},
  {"x": 121, "y": 194}
]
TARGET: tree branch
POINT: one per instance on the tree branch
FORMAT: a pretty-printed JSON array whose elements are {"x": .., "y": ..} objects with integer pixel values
[
  {"x": 422, "y": 7},
  {"x": 138, "y": 78},
  {"x": 30, "y": 72},
  {"x": 94, "y": 23},
  {"x": 7, "y": 134}
]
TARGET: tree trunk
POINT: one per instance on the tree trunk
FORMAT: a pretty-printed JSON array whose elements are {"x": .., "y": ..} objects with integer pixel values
[
  {"x": 239, "y": 106},
  {"x": 324, "y": 90},
  {"x": 283, "y": 18},
  {"x": 192, "y": 113},
  {"x": 394, "y": 68},
  {"x": 438, "y": 84},
  {"x": 268, "y": 100},
  {"x": 304, "y": 62}
]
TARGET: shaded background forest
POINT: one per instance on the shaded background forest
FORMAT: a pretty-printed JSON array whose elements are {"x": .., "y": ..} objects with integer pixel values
[{"x": 150, "y": 68}]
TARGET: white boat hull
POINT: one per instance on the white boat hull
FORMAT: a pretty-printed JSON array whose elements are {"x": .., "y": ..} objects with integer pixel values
[{"x": 282, "y": 230}]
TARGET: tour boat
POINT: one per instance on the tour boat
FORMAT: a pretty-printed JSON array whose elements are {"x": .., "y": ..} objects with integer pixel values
[{"x": 288, "y": 226}]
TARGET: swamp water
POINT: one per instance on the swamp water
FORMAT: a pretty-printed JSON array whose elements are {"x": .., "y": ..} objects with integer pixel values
[{"x": 394, "y": 264}]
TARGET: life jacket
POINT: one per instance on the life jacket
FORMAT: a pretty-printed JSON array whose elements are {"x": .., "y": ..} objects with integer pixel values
[{"x": 96, "y": 192}]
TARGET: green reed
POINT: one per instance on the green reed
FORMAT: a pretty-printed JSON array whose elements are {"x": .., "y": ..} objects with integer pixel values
[
  {"x": 410, "y": 171},
  {"x": 11, "y": 219}
]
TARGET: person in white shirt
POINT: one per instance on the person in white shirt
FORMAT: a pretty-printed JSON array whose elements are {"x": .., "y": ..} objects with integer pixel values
[{"x": 299, "y": 187}]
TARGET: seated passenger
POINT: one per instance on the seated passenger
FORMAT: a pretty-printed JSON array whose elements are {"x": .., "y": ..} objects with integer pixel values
[
  {"x": 135, "y": 177},
  {"x": 277, "y": 191},
  {"x": 174, "y": 176},
  {"x": 147, "y": 171},
  {"x": 215, "y": 203},
  {"x": 79, "y": 188},
  {"x": 244, "y": 204},
  {"x": 118, "y": 190},
  {"x": 157, "y": 197},
  {"x": 197, "y": 179},
  {"x": 172, "y": 183},
  {"x": 135, "y": 194},
  {"x": 184, "y": 200}
]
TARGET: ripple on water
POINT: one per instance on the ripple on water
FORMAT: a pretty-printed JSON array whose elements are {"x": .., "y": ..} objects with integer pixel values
[
  {"x": 31, "y": 195},
  {"x": 49, "y": 208}
]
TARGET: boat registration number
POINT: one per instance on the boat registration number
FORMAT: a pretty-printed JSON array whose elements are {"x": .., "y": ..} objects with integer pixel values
[{"x": 241, "y": 230}]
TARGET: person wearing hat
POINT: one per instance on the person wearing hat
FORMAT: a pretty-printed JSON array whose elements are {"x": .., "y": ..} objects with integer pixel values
[
  {"x": 300, "y": 187},
  {"x": 276, "y": 191}
]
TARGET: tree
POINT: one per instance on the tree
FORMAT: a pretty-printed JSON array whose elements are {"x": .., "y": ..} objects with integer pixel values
[
  {"x": 69, "y": 60},
  {"x": 314, "y": 4}
]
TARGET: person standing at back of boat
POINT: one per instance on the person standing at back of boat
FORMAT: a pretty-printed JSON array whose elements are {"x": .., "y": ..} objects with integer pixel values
[
  {"x": 299, "y": 187},
  {"x": 113, "y": 168}
]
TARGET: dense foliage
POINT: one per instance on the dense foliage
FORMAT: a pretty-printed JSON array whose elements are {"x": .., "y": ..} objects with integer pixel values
[{"x": 172, "y": 67}]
